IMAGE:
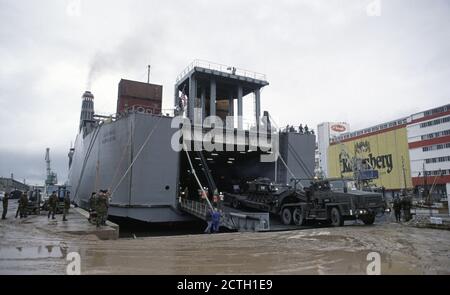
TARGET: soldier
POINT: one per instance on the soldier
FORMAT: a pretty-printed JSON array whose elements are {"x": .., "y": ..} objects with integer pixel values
[
  {"x": 306, "y": 129},
  {"x": 52, "y": 205},
  {"x": 5, "y": 205},
  {"x": 66, "y": 206},
  {"x": 406, "y": 206},
  {"x": 92, "y": 205},
  {"x": 102, "y": 208},
  {"x": 300, "y": 129},
  {"x": 397, "y": 209},
  {"x": 215, "y": 220},
  {"x": 208, "y": 221},
  {"x": 216, "y": 198},
  {"x": 23, "y": 205}
]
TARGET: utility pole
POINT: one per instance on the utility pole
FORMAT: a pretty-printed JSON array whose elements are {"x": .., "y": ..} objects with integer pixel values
[
  {"x": 148, "y": 74},
  {"x": 404, "y": 173},
  {"x": 425, "y": 184}
]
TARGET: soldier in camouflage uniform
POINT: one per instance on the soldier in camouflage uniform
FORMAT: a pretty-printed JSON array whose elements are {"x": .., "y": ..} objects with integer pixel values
[
  {"x": 52, "y": 205},
  {"x": 23, "y": 204},
  {"x": 66, "y": 206},
  {"x": 92, "y": 205},
  {"x": 101, "y": 208},
  {"x": 5, "y": 205}
]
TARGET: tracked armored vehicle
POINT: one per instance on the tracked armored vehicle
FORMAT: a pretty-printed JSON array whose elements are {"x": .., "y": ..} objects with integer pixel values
[{"x": 321, "y": 202}]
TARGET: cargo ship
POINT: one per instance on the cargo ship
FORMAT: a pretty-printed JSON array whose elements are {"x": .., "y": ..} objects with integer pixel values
[{"x": 132, "y": 153}]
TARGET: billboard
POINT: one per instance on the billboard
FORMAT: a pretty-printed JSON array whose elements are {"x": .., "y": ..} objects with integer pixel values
[
  {"x": 386, "y": 152},
  {"x": 338, "y": 128}
]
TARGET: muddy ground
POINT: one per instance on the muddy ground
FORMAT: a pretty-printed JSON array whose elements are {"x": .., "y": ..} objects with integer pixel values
[{"x": 31, "y": 246}]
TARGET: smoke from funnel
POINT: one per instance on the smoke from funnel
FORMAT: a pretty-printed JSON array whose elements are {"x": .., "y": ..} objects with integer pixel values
[
  {"x": 132, "y": 55},
  {"x": 98, "y": 65}
]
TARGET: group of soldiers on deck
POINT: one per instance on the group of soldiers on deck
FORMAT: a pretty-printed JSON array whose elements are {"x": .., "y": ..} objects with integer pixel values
[{"x": 300, "y": 129}]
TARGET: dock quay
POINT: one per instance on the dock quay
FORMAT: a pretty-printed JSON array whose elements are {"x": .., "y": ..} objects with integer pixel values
[{"x": 77, "y": 224}]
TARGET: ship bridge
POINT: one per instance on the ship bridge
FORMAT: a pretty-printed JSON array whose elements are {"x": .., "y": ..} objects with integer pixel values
[
  {"x": 211, "y": 96},
  {"x": 213, "y": 89}
]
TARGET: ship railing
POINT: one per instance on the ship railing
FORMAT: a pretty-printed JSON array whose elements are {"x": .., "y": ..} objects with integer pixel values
[
  {"x": 221, "y": 68},
  {"x": 240, "y": 221}
]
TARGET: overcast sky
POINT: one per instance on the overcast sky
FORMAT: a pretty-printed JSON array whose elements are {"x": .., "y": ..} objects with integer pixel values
[{"x": 363, "y": 62}]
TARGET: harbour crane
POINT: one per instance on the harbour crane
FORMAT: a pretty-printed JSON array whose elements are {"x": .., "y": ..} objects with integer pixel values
[{"x": 52, "y": 178}]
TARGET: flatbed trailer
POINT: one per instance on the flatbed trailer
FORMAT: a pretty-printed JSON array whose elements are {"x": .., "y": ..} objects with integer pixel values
[{"x": 314, "y": 204}]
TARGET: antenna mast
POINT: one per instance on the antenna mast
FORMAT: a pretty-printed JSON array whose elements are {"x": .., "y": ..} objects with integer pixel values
[{"x": 148, "y": 74}]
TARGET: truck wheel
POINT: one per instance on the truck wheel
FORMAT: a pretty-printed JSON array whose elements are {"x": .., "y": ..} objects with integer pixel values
[
  {"x": 336, "y": 217},
  {"x": 286, "y": 216},
  {"x": 299, "y": 216},
  {"x": 368, "y": 219},
  {"x": 235, "y": 203}
]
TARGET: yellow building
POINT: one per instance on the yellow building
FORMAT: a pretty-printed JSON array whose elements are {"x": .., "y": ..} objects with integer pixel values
[{"x": 385, "y": 151}]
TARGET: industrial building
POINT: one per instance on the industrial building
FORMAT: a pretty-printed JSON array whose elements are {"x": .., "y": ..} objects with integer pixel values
[
  {"x": 325, "y": 132},
  {"x": 384, "y": 147},
  {"x": 412, "y": 152},
  {"x": 10, "y": 184},
  {"x": 429, "y": 149}
]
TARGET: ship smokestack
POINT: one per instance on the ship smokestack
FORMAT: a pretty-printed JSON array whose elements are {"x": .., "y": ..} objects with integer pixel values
[{"x": 87, "y": 109}]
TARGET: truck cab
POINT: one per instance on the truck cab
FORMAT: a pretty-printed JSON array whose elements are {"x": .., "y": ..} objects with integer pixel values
[{"x": 339, "y": 200}]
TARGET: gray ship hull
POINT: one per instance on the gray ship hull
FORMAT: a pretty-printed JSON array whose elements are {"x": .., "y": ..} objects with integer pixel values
[{"x": 148, "y": 192}]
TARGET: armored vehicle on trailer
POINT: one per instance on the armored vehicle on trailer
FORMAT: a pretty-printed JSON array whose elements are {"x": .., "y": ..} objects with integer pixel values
[{"x": 321, "y": 202}]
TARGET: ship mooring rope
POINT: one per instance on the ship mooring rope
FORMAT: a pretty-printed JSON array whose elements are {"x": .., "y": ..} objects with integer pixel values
[
  {"x": 299, "y": 161},
  {"x": 281, "y": 158},
  {"x": 195, "y": 175},
  {"x": 137, "y": 155},
  {"x": 91, "y": 145},
  {"x": 116, "y": 172}
]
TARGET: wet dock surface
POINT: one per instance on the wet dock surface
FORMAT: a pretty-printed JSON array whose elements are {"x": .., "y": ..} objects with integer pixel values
[{"x": 29, "y": 247}]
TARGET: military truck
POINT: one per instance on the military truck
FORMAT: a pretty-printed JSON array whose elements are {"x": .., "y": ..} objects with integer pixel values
[
  {"x": 322, "y": 202},
  {"x": 34, "y": 202}
]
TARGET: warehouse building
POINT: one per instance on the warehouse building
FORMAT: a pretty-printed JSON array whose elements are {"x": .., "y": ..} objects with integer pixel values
[
  {"x": 412, "y": 152},
  {"x": 9, "y": 184},
  {"x": 384, "y": 147},
  {"x": 429, "y": 149}
]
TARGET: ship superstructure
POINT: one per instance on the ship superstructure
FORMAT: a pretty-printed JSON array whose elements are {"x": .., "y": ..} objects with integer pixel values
[{"x": 136, "y": 153}]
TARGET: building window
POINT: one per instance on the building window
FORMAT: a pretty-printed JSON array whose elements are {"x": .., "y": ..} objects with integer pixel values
[
  {"x": 436, "y": 147},
  {"x": 437, "y": 160},
  {"x": 435, "y": 122},
  {"x": 436, "y": 134}
]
